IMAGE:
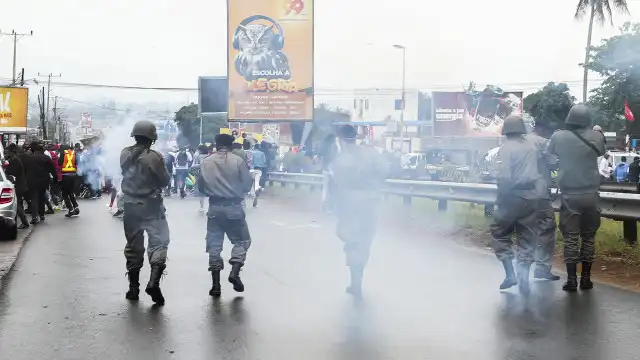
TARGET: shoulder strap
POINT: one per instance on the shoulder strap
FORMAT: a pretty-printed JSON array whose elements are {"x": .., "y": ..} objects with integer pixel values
[
  {"x": 128, "y": 164},
  {"x": 587, "y": 142}
]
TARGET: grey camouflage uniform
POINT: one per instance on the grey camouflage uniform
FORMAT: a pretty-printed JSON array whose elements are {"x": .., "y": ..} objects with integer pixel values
[
  {"x": 358, "y": 171},
  {"x": 546, "y": 215},
  {"x": 144, "y": 177},
  {"x": 225, "y": 179},
  {"x": 519, "y": 192},
  {"x": 579, "y": 182}
]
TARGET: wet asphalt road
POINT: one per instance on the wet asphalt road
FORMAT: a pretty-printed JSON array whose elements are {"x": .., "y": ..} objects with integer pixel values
[{"x": 425, "y": 298}]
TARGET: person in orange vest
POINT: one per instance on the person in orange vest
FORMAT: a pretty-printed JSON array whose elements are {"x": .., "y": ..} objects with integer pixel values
[{"x": 69, "y": 168}]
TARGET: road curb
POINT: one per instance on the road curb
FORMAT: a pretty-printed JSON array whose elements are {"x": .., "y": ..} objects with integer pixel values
[{"x": 10, "y": 250}]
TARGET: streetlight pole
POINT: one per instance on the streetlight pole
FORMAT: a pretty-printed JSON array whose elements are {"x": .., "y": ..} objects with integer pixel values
[{"x": 402, "y": 101}]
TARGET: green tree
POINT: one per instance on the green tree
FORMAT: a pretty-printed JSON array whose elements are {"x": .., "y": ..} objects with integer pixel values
[
  {"x": 189, "y": 125},
  {"x": 600, "y": 10},
  {"x": 549, "y": 106},
  {"x": 616, "y": 59}
]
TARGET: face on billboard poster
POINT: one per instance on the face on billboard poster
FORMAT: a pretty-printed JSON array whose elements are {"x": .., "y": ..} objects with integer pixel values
[
  {"x": 474, "y": 114},
  {"x": 270, "y": 60}
]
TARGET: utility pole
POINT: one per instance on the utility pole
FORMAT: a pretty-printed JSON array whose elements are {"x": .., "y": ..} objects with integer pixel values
[
  {"x": 50, "y": 75},
  {"x": 43, "y": 128},
  {"x": 56, "y": 118},
  {"x": 16, "y": 36}
]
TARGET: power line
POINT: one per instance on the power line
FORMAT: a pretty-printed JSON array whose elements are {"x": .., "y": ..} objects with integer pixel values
[{"x": 319, "y": 91}]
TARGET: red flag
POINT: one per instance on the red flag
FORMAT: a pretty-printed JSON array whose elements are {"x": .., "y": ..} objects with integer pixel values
[{"x": 627, "y": 112}]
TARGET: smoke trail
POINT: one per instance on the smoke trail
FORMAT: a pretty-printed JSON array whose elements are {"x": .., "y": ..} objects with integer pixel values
[{"x": 116, "y": 137}]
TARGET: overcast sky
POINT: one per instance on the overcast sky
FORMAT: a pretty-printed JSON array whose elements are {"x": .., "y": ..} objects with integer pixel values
[{"x": 160, "y": 43}]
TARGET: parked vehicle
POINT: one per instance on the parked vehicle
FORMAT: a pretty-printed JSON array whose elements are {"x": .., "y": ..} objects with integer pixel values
[{"x": 8, "y": 208}]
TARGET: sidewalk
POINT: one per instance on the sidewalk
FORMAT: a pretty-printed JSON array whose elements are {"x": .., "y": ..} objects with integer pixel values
[{"x": 9, "y": 251}]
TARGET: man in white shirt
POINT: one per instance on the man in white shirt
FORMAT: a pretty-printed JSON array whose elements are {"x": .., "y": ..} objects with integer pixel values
[{"x": 604, "y": 167}]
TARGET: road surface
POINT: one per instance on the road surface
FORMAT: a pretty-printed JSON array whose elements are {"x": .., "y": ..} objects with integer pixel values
[{"x": 425, "y": 298}]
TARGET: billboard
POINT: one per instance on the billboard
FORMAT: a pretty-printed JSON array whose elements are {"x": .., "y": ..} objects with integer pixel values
[
  {"x": 13, "y": 109},
  {"x": 213, "y": 94},
  {"x": 473, "y": 113},
  {"x": 270, "y": 60}
]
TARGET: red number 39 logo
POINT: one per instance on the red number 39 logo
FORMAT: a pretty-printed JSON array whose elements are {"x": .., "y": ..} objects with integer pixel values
[{"x": 293, "y": 5}]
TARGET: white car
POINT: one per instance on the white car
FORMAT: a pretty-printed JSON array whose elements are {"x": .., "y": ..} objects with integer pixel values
[{"x": 8, "y": 208}]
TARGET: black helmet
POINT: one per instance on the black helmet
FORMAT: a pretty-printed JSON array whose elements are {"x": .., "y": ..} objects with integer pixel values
[
  {"x": 146, "y": 129},
  {"x": 513, "y": 124},
  {"x": 579, "y": 115}
]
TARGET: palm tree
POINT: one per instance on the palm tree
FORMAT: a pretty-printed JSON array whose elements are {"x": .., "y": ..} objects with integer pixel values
[{"x": 600, "y": 10}]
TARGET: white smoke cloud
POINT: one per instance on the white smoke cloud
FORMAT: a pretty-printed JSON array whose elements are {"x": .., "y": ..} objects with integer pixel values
[{"x": 116, "y": 137}]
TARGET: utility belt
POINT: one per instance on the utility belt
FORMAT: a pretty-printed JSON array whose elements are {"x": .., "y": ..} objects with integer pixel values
[{"x": 221, "y": 201}]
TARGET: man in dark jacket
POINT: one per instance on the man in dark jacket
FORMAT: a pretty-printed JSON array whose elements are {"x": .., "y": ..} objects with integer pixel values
[
  {"x": 634, "y": 170},
  {"x": 16, "y": 169},
  {"x": 40, "y": 171}
]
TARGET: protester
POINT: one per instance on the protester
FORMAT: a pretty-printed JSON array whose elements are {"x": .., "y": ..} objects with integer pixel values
[
  {"x": 40, "y": 172},
  {"x": 68, "y": 163},
  {"x": 183, "y": 159},
  {"x": 621, "y": 171},
  {"x": 16, "y": 169}
]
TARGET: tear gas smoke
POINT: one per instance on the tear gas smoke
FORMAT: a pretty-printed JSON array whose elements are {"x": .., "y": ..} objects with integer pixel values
[{"x": 116, "y": 137}]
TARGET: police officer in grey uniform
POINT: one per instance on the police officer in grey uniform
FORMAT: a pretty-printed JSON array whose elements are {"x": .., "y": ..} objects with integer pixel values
[
  {"x": 358, "y": 172},
  {"x": 547, "y": 219},
  {"x": 578, "y": 148},
  {"x": 225, "y": 179},
  {"x": 143, "y": 178},
  {"x": 519, "y": 192}
]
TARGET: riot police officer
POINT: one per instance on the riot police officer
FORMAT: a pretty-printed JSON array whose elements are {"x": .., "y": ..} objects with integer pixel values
[
  {"x": 517, "y": 203},
  {"x": 578, "y": 148},
  {"x": 546, "y": 215},
  {"x": 143, "y": 178},
  {"x": 357, "y": 172}
]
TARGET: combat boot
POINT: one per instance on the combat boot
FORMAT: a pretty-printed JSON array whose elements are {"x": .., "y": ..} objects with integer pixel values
[
  {"x": 357, "y": 273},
  {"x": 572, "y": 278},
  {"x": 585, "y": 277},
  {"x": 234, "y": 278},
  {"x": 216, "y": 289},
  {"x": 153, "y": 287},
  {"x": 510, "y": 279},
  {"x": 134, "y": 285},
  {"x": 523, "y": 278},
  {"x": 545, "y": 274}
]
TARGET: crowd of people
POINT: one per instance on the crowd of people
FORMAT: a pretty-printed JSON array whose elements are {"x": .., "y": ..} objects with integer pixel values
[{"x": 49, "y": 177}]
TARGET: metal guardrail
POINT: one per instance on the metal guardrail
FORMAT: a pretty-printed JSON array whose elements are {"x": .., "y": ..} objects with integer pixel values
[
  {"x": 625, "y": 187},
  {"x": 623, "y": 207}
]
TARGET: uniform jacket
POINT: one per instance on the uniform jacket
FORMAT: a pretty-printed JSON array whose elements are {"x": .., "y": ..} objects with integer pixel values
[
  {"x": 143, "y": 172},
  {"x": 224, "y": 175},
  {"x": 518, "y": 173}
]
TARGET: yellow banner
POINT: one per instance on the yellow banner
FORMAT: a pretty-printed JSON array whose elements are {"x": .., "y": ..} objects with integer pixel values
[
  {"x": 13, "y": 110},
  {"x": 270, "y": 59}
]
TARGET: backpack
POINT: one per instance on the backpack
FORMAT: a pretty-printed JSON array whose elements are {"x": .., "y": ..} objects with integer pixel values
[{"x": 182, "y": 158}]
